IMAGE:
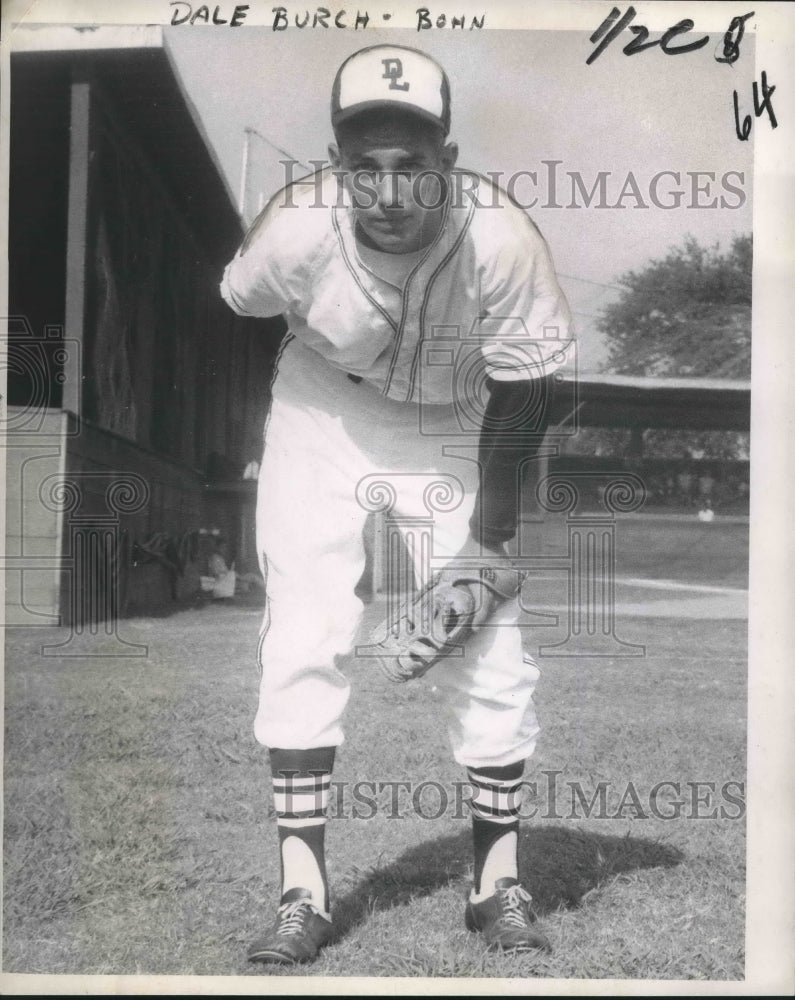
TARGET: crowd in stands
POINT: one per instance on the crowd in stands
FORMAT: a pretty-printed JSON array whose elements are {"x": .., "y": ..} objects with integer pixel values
[
  {"x": 693, "y": 488},
  {"x": 698, "y": 488}
]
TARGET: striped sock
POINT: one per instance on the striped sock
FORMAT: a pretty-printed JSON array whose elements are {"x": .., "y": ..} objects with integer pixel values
[
  {"x": 495, "y": 824},
  {"x": 301, "y": 783}
]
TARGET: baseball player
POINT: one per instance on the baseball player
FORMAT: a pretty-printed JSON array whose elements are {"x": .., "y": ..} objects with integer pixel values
[{"x": 414, "y": 292}]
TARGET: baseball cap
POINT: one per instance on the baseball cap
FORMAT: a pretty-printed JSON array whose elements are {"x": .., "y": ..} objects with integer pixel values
[{"x": 391, "y": 76}]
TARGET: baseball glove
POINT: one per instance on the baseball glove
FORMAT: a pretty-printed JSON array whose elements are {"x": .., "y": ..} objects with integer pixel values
[{"x": 454, "y": 604}]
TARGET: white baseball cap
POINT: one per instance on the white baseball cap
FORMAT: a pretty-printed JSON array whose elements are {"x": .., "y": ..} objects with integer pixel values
[{"x": 391, "y": 76}]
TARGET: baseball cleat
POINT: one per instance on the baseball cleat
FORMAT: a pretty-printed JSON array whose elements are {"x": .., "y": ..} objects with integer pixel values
[
  {"x": 297, "y": 935},
  {"x": 506, "y": 919}
]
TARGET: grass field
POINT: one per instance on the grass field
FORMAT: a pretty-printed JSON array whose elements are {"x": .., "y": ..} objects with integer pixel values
[{"x": 137, "y": 835}]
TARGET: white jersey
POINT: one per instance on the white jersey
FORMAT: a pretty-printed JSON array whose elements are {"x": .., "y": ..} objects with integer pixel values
[{"x": 482, "y": 296}]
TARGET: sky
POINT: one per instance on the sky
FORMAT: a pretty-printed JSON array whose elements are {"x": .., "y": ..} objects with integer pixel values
[{"x": 519, "y": 98}]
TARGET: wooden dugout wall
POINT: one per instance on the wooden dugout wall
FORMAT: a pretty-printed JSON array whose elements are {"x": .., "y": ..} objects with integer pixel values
[{"x": 119, "y": 231}]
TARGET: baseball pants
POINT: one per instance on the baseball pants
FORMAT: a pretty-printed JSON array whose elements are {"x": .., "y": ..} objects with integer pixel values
[{"x": 330, "y": 446}]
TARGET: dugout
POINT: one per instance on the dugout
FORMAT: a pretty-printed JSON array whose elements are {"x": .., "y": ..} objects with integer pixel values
[
  {"x": 131, "y": 385},
  {"x": 648, "y": 516},
  {"x": 637, "y": 404}
]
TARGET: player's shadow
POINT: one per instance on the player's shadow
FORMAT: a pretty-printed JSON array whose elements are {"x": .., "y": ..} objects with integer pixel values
[{"x": 563, "y": 865}]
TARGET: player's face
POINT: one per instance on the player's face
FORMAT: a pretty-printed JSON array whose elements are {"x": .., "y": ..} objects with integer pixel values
[{"x": 394, "y": 175}]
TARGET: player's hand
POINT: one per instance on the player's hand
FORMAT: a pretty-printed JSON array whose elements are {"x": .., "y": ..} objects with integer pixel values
[
  {"x": 457, "y": 601},
  {"x": 478, "y": 580}
]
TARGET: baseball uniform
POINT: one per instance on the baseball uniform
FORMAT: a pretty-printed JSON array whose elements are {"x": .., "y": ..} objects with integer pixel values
[{"x": 390, "y": 362}]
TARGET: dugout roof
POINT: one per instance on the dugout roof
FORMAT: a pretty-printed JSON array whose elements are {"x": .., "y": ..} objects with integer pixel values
[
  {"x": 675, "y": 403},
  {"x": 131, "y": 67}
]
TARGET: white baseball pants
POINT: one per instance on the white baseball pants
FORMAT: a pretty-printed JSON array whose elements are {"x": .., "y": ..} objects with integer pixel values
[{"x": 328, "y": 438}]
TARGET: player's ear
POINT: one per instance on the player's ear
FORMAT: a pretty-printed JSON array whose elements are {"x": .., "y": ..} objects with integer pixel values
[
  {"x": 449, "y": 156},
  {"x": 334, "y": 155}
]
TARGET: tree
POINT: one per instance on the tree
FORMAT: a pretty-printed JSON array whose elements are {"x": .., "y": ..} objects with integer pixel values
[{"x": 687, "y": 314}]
